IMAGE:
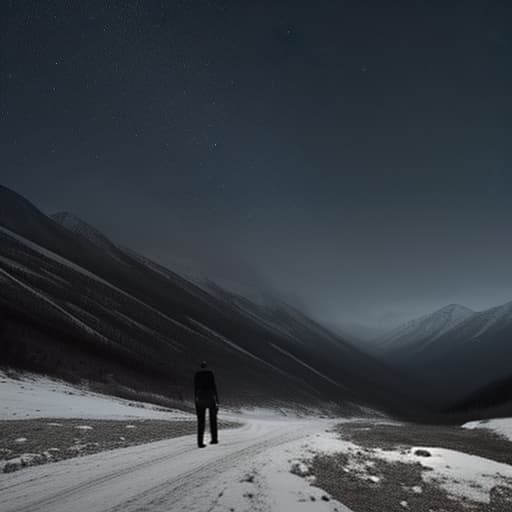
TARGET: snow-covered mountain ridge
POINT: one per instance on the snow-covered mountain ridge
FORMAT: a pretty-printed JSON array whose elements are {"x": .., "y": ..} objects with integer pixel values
[
  {"x": 426, "y": 328},
  {"x": 465, "y": 350}
]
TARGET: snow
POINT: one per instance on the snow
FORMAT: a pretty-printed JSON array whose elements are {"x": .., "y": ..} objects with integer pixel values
[
  {"x": 41, "y": 397},
  {"x": 493, "y": 316},
  {"x": 266, "y": 482},
  {"x": 263, "y": 413},
  {"x": 459, "y": 474},
  {"x": 502, "y": 426},
  {"x": 431, "y": 327},
  {"x": 249, "y": 470},
  {"x": 260, "y": 466}
]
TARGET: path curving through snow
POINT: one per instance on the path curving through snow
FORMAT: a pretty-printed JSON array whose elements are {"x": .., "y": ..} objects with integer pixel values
[{"x": 174, "y": 475}]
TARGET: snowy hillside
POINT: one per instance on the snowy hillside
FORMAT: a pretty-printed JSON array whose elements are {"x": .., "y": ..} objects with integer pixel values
[
  {"x": 501, "y": 426},
  {"x": 421, "y": 331},
  {"x": 492, "y": 319},
  {"x": 465, "y": 350},
  {"x": 35, "y": 396}
]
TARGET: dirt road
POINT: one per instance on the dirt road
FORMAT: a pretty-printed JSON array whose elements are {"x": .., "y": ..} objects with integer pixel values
[{"x": 162, "y": 476}]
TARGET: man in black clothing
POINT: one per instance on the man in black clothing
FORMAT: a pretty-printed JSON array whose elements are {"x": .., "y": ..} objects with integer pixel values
[{"x": 206, "y": 398}]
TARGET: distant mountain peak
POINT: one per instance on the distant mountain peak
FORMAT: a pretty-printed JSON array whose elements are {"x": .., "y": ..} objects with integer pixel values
[{"x": 428, "y": 327}]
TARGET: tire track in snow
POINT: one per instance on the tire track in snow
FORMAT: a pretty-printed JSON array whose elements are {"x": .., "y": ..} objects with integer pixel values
[
  {"x": 143, "y": 484},
  {"x": 173, "y": 490}
]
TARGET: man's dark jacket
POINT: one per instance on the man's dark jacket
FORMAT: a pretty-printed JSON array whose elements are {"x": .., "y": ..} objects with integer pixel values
[{"x": 204, "y": 386}]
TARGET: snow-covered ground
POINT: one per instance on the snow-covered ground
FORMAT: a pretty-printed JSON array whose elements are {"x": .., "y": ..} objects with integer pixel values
[
  {"x": 502, "y": 426},
  {"x": 249, "y": 470},
  {"x": 461, "y": 475},
  {"x": 33, "y": 396},
  {"x": 41, "y": 397}
]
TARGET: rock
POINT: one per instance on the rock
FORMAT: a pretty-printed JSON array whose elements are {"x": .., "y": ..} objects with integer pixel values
[
  {"x": 300, "y": 469},
  {"x": 12, "y": 466},
  {"x": 422, "y": 453}
]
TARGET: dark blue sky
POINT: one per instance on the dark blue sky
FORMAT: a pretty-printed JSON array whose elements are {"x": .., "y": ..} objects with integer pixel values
[{"x": 356, "y": 157}]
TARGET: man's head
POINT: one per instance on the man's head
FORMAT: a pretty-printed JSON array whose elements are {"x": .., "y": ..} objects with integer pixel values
[{"x": 203, "y": 364}]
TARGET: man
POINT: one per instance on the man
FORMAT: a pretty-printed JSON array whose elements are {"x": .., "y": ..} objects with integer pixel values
[{"x": 206, "y": 398}]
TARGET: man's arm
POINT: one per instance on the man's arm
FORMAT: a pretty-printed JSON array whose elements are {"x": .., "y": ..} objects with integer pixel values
[{"x": 214, "y": 386}]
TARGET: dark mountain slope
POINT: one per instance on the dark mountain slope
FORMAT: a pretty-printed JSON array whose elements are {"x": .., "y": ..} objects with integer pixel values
[
  {"x": 104, "y": 314},
  {"x": 462, "y": 359},
  {"x": 491, "y": 401}
]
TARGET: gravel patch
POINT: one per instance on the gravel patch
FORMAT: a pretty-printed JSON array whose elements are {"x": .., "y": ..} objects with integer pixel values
[
  {"x": 28, "y": 442},
  {"x": 396, "y": 487},
  {"x": 483, "y": 443},
  {"x": 366, "y": 483}
]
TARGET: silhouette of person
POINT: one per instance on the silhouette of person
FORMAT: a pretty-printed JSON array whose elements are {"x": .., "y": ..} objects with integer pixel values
[{"x": 206, "y": 397}]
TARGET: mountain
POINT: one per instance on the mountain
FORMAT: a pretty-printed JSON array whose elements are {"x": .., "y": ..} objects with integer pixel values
[
  {"x": 495, "y": 400},
  {"x": 417, "y": 334},
  {"x": 460, "y": 356},
  {"x": 74, "y": 304}
]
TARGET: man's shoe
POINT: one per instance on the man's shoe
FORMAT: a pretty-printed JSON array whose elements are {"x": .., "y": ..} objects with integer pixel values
[
  {"x": 201, "y": 446},
  {"x": 214, "y": 441}
]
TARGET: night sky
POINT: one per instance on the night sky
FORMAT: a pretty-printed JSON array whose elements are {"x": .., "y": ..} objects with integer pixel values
[{"x": 354, "y": 158}]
